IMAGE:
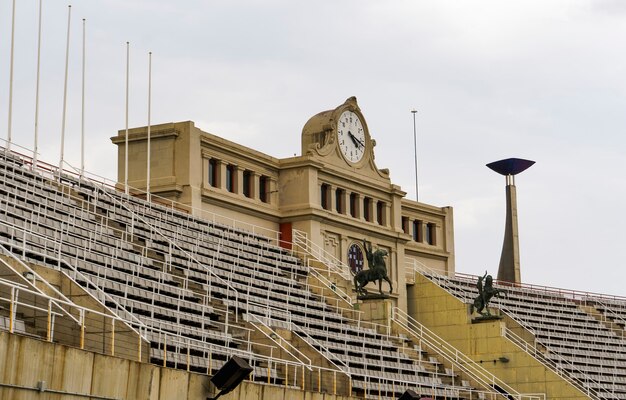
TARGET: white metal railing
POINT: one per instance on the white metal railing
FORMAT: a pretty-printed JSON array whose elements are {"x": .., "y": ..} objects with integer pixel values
[
  {"x": 560, "y": 368},
  {"x": 174, "y": 205},
  {"x": 476, "y": 372},
  {"x": 334, "y": 265},
  {"x": 179, "y": 248},
  {"x": 557, "y": 368},
  {"x": 35, "y": 278},
  {"x": 52, "y": 172},
  {"x": 288, "y": 348},
  {"x": 608, "y": 312},
  {"x": 331, "y": 286},
  {"x": 321, "y": 349},
  {"x": 38, "y": 305}
]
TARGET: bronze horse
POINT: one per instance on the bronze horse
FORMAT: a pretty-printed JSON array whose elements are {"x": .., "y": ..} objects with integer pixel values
[
  {"x": 377, "y": 271},
  {"x": 485, "y": 294}
]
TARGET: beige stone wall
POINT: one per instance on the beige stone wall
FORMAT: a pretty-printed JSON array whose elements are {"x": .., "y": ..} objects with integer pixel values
[
  {"x": 450, "y": 319},
  {"x": 182, "y": 154},
  {"x": 25, "y": 361}
]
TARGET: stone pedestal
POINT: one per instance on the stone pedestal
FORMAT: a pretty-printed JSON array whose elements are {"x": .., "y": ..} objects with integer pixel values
[{"x": 376, "y": 309}]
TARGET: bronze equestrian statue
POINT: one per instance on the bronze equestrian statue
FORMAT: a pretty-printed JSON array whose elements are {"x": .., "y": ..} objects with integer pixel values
[
  {"x": 377, "y": 270},
  {"x": 485, "y": 294}
]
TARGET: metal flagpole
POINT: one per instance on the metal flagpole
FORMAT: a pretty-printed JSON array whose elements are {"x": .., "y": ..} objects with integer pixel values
[
  {"x": 11, "y": 79},
  {"x": 414, "y": 112},
  {"x": 36, "y": 146},
  {"x": 149, "y": 109},
  {"x": 82, "y": 119},
  {"x": 67, "y": 57},
  {"x": 126, "y": 139}
]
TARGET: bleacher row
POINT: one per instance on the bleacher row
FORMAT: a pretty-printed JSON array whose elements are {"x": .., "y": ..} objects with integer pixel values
[
  {"x": 184, "y": 276},
  {"x": 581, "y": 334}
]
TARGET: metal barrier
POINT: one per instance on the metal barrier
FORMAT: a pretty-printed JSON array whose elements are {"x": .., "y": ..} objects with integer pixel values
[{"x": 456, "y": 358}]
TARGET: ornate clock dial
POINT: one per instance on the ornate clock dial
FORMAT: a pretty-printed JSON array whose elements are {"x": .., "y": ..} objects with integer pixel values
[
  {"x": 355, "y": 258},
  {"x": 351, "y": 136}
]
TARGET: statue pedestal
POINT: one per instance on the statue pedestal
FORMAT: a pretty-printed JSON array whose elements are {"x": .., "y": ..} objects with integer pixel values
[
  {"x": 376, "y": 308},
  {"x": 486, "y": 318},
  {"x": 373, "y": 296}
]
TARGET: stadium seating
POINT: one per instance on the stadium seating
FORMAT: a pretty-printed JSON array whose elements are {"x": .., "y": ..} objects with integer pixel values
[
  {"x": 581, "y": 334},
  {"x": 197, "y": 289}
]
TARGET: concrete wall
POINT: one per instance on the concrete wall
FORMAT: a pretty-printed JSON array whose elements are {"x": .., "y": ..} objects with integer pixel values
[
  {"x": 25, "y": 361},
  {"x": 450, "y": 319}
]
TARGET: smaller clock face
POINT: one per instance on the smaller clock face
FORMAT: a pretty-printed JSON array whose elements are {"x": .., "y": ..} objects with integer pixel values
[
  {"x": 351, "y": 136},
  {"x": 355, "y": 258}
]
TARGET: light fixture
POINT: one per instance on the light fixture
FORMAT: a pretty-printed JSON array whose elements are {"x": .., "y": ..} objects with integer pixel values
[
  {"x": 230, "y": 375},
  {"x": 29, "y": 276}
]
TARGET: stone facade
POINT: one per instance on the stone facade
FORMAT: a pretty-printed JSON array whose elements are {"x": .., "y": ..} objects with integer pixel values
[{"x": 334, "y": 197}]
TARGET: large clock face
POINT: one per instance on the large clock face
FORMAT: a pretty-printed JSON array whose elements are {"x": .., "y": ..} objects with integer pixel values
[
  {"x": 351, "y": 136},
  {"x": 355, "y": 258}
]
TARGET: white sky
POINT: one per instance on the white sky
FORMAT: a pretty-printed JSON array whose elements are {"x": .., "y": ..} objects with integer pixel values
[{"x": 542, "y": 80}]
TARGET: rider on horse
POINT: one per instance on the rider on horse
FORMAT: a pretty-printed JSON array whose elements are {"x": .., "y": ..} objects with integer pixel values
[
  {"x": 377, "y": 270},
  {"x": 485, "y": 294}
]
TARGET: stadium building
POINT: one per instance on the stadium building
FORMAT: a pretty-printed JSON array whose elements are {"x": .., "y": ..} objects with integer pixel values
[{"x": 150, "y": 287}]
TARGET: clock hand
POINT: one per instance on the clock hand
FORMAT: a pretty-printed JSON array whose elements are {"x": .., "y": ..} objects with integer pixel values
[
  {"x": 356, "y": 141},
  {"x": 353, "y": 138}
]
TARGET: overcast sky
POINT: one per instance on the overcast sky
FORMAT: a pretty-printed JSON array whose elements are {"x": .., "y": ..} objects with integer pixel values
[{"x": 542, "y": 80}]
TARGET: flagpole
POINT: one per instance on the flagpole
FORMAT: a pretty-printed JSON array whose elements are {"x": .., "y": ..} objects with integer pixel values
[
  {"x": 36, "y": 145},
  {"x": 11, "y": 80},
  {"x": 82, "y": 119},
  {"x": 414, "y": 112},
  {"x": 149, "y": 109},
  {"x": 67, "y": 57},
  {"x": 126, "y": 138}
]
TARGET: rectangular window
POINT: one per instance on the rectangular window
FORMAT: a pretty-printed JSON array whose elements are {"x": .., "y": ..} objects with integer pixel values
[
  {"x": 405, "y": 225},
  {"x": 264, "y": 188},
  {"x": 367, "y": 209},
  {"x": 325, "y": 196},
  {"x": 418, "y": 231},
  {"x": 431, "y": 230},
  {"x": 247, "y": 183},
  {"x": 230, "y": 178},
  {"x": 353, "y": 205},
  {"x": 213, "y": 173},
  {"x": 380, "y": 213},
  {"x": 340, "y": 199}
]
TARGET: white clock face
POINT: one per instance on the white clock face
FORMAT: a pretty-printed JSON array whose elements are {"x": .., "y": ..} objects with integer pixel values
[{"x": 351, "y": 136}]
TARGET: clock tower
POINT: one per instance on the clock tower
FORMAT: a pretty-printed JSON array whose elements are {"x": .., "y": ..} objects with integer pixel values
[{"x": 333, "y": 194}]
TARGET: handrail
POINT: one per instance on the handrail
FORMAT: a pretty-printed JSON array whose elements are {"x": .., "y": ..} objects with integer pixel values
[
  {"x": 258, "y": 320},
  {"x": 70, "y": 267},
  {"x": 312, "y": 249},
  {"x": 35, "y": 277},
  {"x": 532, "y": 350},
  {"x": 57, "y": 302},
  {"x": 52, "y": 172},
  {"x": 175, "y": 205},
  {"x": 442, "y": 280},
  {"x": 610, "y": 309},
  {"x": 476, "y": 372},
  {"x": 295, "y": 328},
  {"x": 343, "y": 296},
  {"x": 299, "y": 331},
  {"x": 179, "y": 248},
  {"x": 133, "y": 326}
]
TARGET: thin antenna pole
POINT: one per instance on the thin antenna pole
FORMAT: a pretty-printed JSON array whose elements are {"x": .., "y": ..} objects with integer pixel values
[
  {"x": 149, "y": 109},
  {"x": 11, "y": 80},
  {"x": 126, "y": 139},
  {"x": 36, "y": 146},
  {"x": 414, "y": 112},
  {"x": 82, "y": 119},
  {"x": 67, "y": 58}
]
